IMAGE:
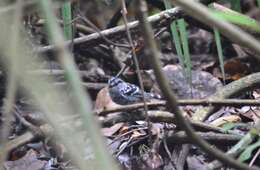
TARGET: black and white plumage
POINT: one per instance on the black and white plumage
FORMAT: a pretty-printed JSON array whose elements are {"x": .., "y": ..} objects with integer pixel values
[{"x": 124, "y": 93}]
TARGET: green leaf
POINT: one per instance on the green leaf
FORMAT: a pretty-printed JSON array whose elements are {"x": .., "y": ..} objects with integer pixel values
[
  {"x": 247, "y": 153},
  {"x": 177, "y": 42},
  {"x": 181, "y": 43},
  {"x": 66, "y": 16},
  {"x": 175, "y": 36},
  {"x": 229, "y": 126},
  {"x": 239, "y": 19},
  {"x": 258, "y": 3},
  {"x": 185, "y": 47},
  {"x": 220, "y": 53}
]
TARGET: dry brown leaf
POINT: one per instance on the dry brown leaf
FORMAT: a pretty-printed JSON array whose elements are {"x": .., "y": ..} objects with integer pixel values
[
  {"x": 108, "y": 132},
  {"x": 104, "y": 101},
  {"x": 225, "y": 119}
]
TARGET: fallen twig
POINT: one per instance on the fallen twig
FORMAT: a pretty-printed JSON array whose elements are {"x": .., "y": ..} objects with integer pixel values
[
  {"x": 161, "y": 18},
  {"x": 233, "y": 89},
  {"x": 202, "y": 102},
  {"x": 216, "y": 138}
]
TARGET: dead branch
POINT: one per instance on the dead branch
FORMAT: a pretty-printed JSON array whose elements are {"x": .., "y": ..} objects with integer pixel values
[
  {"x": 231, "y": 90},
  {"x": 161, "y": 18},
  {"x": 213, "y": 138},
  {"x": 202, "y": 102},
  {"x": 164, "y": 87}
]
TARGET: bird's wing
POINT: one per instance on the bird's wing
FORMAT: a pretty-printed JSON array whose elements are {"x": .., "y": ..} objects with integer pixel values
[{"x": 131, "y": 90}]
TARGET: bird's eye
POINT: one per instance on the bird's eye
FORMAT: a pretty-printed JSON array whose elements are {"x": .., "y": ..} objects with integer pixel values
[{"x": 114, "y": 82}]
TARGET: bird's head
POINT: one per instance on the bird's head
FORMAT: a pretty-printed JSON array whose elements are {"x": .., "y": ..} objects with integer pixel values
[{"x": 114, "y": 81}]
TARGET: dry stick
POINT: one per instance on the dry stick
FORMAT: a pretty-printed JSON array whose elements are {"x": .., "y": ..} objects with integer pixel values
[
  {"x": 240, "y": 146},
  {"x": 161, "y": 18},
  {"x": 125, "y": 67},
  {"x": 19, "y": 141},
  {"x": 182, "y": 157},
  {"x": 184, "y": 102},
  {"x": 236, "y": 149},
  {"x": 12, "y": 78},
  {"x": 201, "y": 13},
  {"x": 254, "y": 158},
  {"x": 164, "y": 86},
  {"x": 34, "y": 129},
  {"x": 232, "y": 32},
  {"x": 214, "y": 138},
  {"x": 98, "y": 31},
  {"x": 233, "y": 89},
  {"x": 162, "y": 116},
  {"x": 88, "y": 86},
  {"x": 81, "y": 100},
  {"x": 136, "y": 63},
  {"x": 168, "y": 153},
  {"x": 80, "y": 27},
  {"x": 46, "y": 130}
]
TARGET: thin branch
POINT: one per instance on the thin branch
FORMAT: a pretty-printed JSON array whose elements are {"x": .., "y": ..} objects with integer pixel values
[
  {"x": 184, "y": 102},
  {"x": 233, "y": 89},
  {"x": 13, "y": 68},
  {"x": 136, "y": 63},
  {"x": 161, "y": 18},
  {"x": 82, "y": 101},
  {"x": 164, "y": 86},
  {"x": 98, "y": 31},
  {"x": 80, "y": 27},
  {"x": 234, "y": 33},
  {"x": 214, "y": 138}
]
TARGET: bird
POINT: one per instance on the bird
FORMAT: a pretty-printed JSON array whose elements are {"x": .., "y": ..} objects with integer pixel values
[{"x": 124, "y": 93}]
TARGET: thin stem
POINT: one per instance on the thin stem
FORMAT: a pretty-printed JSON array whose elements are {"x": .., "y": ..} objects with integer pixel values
[
  {"x": 164, "y": 86},
  {"x": 124, "y": 12}
]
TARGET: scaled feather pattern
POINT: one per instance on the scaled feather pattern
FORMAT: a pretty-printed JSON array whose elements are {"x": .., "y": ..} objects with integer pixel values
[{"x": 124, "y": 93}]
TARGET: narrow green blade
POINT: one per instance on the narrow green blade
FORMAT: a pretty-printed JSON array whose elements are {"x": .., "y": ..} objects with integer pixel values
[
  {"x": 185, "y": 46},
  {"x": 66, "y": 16},
  {"x": 220, "y": 53}
]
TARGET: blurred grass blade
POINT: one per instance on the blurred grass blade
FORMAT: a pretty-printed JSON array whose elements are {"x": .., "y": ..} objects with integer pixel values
[
  {"x": 67, "y": 19},
  {"x": 234, "y": 17},
  {"x": 81, "y": 101},
  {"x": 220, "y": 53},
  {"x": 175, "y": 36},
  {"x": 181, "y": 43},
  {"x": 258, "y": 3},
  {"x": 235, "y": 5},
  {"x": 12, "y": 78},
  {"x": 247, "y": 153},
  {"x": 185, "y": 46}
]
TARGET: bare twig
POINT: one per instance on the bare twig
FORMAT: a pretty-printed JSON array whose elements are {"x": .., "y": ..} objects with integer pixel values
[
  {"x": 254, "y": 158},
  {"x": 98, "y": 31},
  {"x": 82, "y": 101},
  {"x": 164, "y": 86},
  {"x": 34, "y": 129},
  {"x": 216, "y": 138},
  {"x": 234, "y": 33},
  {"x": 124, "y": 13},
  {"x": 233, "y": 89},
  {"x": 161, "y": 18},
  {"x": 12, "y": 77},
  {"x": 202, "y": 102},
  {"x": 25, "y": 138}
]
